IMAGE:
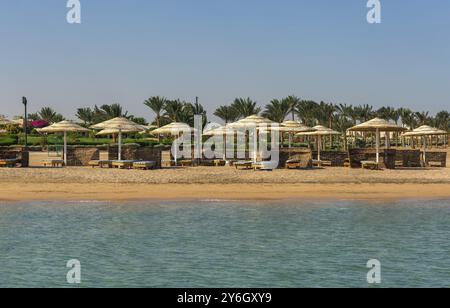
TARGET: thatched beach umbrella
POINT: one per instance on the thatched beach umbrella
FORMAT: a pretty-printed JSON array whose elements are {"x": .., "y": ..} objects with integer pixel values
[
  {"x": 64, "y": 127},
  {"x": 425, "y": 131},
  {"x": 174, "y": 129},
  {"x": 5, "y": 121},
  {"x": 292, "y": 128},
  {"x": 319, "y": 132},
  {"x": 254, "y": 122},
  {"x": 118, "y": 126},
  {"x": 377, "y": 125},
  {"x": 3, "y": 131}
]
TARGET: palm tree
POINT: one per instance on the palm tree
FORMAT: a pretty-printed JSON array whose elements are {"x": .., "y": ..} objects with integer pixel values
[
  {"x": 197, "y": 109},
  {"x": 408, "y": 118},
  {"x": 173, "y": 110},
  {"x": 86, "y": 115},
  {"x": 443, "y": 120},
  {"x": 292, "y": 101},
  {"x": 422, "y": 117},
  {"x": 50, "y": 115},
  {"x": 347, "y": 111},
  {"x": 114, "y": 111},
  {"x": 227, "y": 114},
  {"x": 157, "y": 105},
  {"x": 365, "y": 112},
  {"x": 277, "y": 110},
  {"x": 306, "y": 112},
  {"x": 245, "y": 107},
  {"x": 326, "y": 112}
]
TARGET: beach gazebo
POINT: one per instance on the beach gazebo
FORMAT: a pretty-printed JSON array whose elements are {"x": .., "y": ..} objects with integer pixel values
[
  {"x": 174, "y": 129},
  {"x": 377, "y": 125},
  {"x": 222, "y": 131},
  {"x": 292, "y": 128},
  {"x": 118, "y": 126},
  {"x": 319, "y": 131},
  {"x": 425, "y": 131},
  {"x": 254, "y": 122},
  {"x": 64, "y": 127}
]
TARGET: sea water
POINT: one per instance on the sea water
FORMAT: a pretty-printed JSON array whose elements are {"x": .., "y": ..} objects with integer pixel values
[{"x": 225, "y": 244}]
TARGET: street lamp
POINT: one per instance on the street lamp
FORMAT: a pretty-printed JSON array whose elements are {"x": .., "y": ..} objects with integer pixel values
[{"x": 25, "y": 124}]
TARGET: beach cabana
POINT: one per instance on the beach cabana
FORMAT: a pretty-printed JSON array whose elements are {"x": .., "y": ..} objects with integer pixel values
[
  {"x": 64, "y": 127},
  {"x": 319, "y": 131},
  {"x": 425, "y": 131},
  {"x": 255, "y": 123},
  {"x": 174, "y": 129},
  {"x": 377, "y": 125},
  {"x": 118, "y": 126}
]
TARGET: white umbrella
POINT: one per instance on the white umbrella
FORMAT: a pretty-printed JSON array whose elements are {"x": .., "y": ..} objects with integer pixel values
[
  {"x": 64, "y": 127},
  {"x": 118, "y": 126},
  {"x": 425, "y": 131},
  {"x": 319, "y": 131},
  {"x": 174, "y": 129},
  {"x": 377, "y": 125},
  {"x": 252, "y": 122}
]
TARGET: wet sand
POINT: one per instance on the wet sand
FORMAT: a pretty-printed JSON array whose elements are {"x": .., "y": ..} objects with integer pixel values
[{"x": 222, "y": 184}]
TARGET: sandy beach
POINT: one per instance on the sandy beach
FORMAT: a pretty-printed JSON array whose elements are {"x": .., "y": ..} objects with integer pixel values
[{"x": 222, "y": 183}]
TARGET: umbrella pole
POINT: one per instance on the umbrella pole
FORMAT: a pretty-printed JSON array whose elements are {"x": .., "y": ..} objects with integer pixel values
[
  {"x": 290, "y": 140},
  {"x": 255, "y": 145},
  {"x": 65, "y": 148},
  {"x": 425, "y": 151},
  {"x": 319, "y": 146},
  {"x": 120, "y": 145},
  {"x": 378, "y": 145}
]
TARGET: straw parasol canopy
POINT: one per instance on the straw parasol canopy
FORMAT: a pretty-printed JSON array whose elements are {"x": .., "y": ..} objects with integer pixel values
[
  {"x": 257, "y": 123},
  {"x": 3, "y": 131},
  {"x": 425, "y": 131},
  {"x": 377, "y": 125},
  {"x": 64, "y": 127},
  {"x": 174, "y": 129},
  {"x": 5, "y": 121},
  {"x": 118, "y": 126},
  {"x": 291, "y": 128},
  {"x": 319, "y": 131}
]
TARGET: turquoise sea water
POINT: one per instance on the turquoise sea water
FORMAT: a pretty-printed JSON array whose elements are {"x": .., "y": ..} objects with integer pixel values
[{"x": 225, "y": 244}]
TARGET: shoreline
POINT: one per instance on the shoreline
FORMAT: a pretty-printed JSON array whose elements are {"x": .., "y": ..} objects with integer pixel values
[{"x": 18, "y": 192}]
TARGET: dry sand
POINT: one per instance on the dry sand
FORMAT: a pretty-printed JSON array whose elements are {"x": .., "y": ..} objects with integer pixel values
[{"x": 222, "y": 183}]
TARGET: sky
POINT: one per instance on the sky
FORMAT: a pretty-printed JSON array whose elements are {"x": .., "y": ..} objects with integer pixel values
[{"x": 125, "y": 51}]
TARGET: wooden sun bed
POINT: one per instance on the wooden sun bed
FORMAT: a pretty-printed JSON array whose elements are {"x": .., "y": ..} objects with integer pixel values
[
  {"x": 219, "y": 163},
  {"x": 123, "y": 164},
  {"x": 368, "y": 164},
  {"x": 293, "y": 164},
  {"x": 144, "y": 165},
  {"x": 54, "y": 163},
  {"x": 187, "y": 163},
  {"x": 265, "y": 165},
  {"x": 101, "y": 163},
  {"x": 243, "y": 165},
  {"x": 321, "y": 163},
  {"x": 8, "y": 163},
  {"x": 435, "y": 164}
]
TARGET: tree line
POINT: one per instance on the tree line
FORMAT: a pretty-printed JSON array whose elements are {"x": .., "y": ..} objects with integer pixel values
[{"x": 336, "y": 116}]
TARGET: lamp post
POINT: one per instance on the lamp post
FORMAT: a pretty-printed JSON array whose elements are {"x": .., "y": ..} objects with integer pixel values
[{"x": 25, "y": 124}]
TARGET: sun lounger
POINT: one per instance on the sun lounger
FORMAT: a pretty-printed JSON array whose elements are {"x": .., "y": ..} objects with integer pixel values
[
  {"x": 101, "y": 163},
  {"x": 265, "y": 165},
  {"x": 243, "y": 165},
  {"x": 435, "y": 164},
  {"x": 144, "y": 165},
  {"x": 9, "y": 163},
  {"x": 321, "y": 163},
  {"x": 187, "y": 163},
  {"x": 368, "y": 164},
  {"x": 293, "y": 164},
  {"x": 54, "y": 163},
  {"x": 123, "y": 164},
  {"x": 219, "y": 162}
]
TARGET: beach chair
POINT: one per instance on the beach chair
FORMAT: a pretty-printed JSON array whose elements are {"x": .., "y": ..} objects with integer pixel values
[
  {"x": 219, "y": 163},
  {"x": 53, "y": 163},
  {"x": 436, "y": 164},
  {"x": 368, "y": 164},
  {"x": 265, "y": 165},
  {"x": 123, "y": 164},
  {"x": 243, "y": 165},
  {"x": 144, "y": 165},
  {"x": 8, "y": 163},
  {"x": 322, "y": 163},
  {"x": 187, "y": 163}
]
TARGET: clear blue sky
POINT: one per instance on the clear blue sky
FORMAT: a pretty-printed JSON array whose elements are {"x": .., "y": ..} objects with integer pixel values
[{"x": 127, "y": 50}]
